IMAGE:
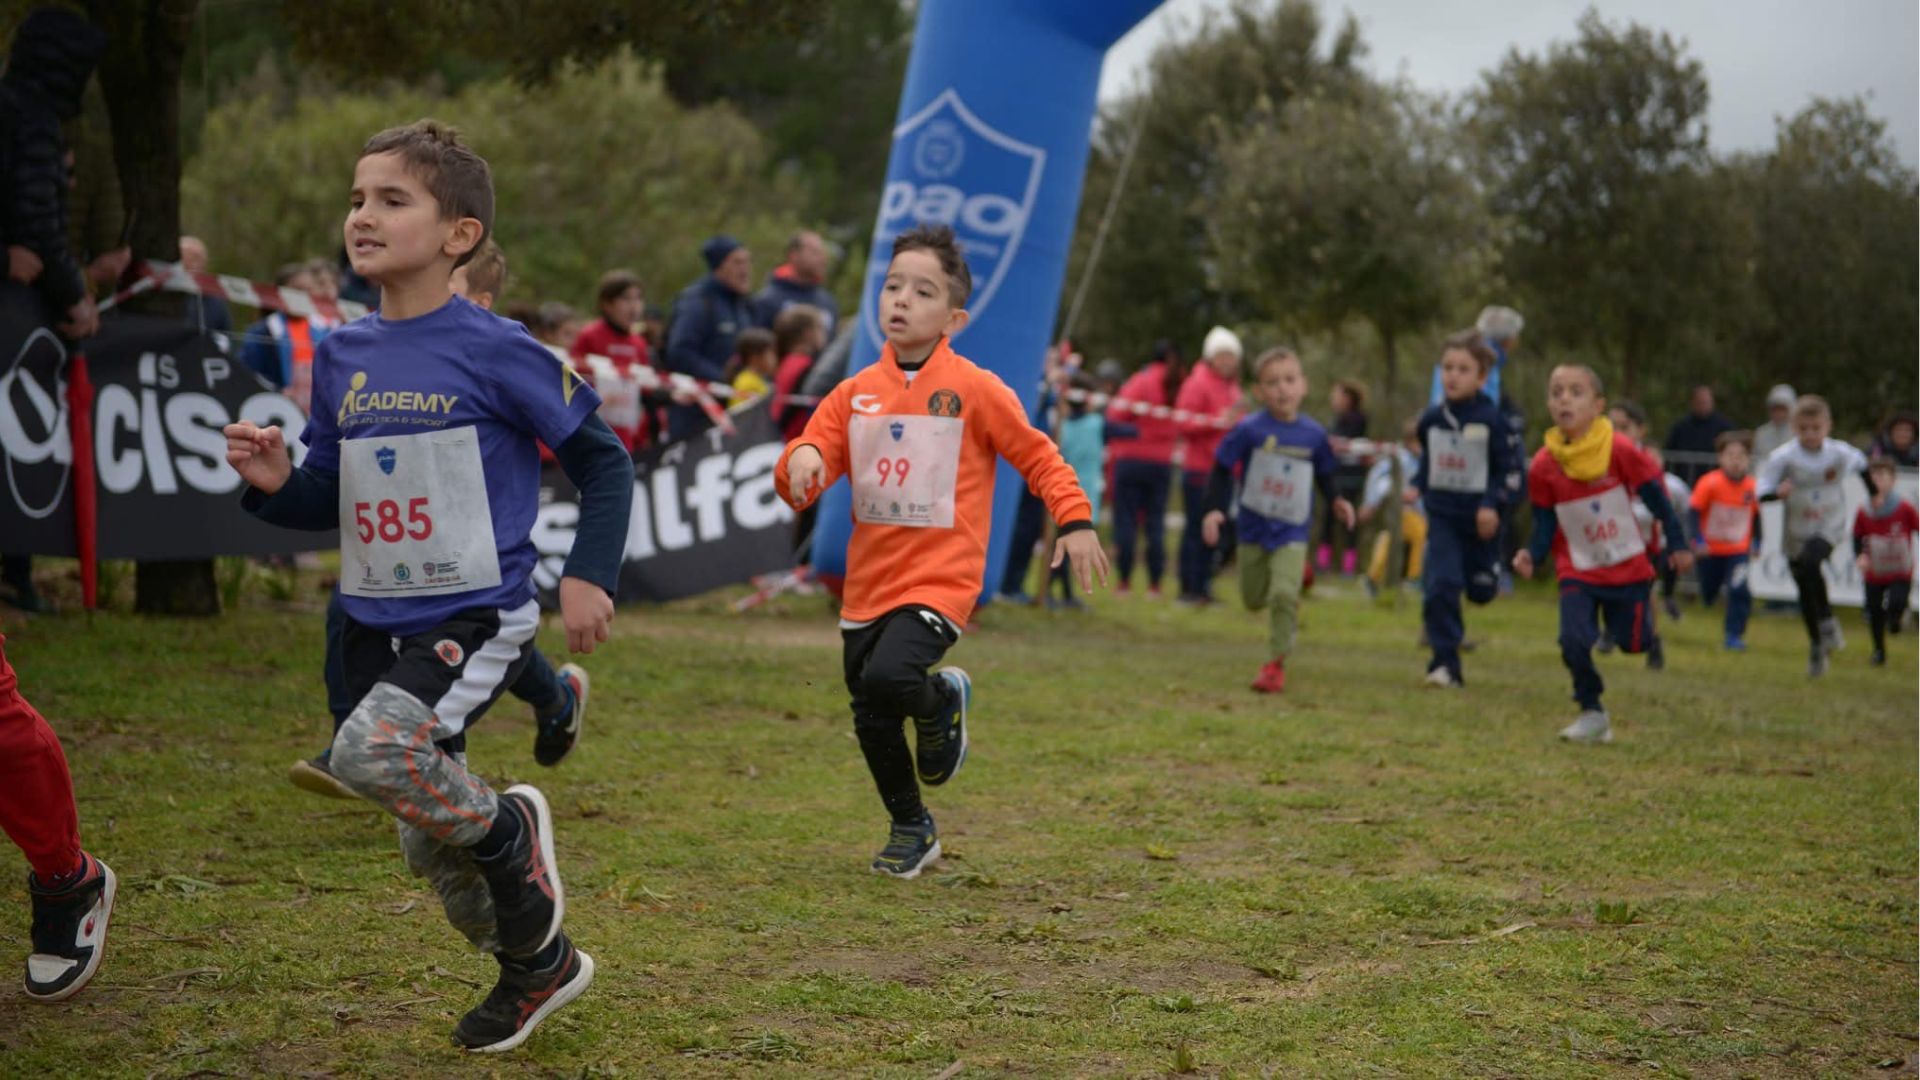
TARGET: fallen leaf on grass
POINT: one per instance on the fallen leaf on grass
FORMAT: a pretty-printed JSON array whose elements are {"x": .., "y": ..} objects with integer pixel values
[
  {"x": 402, "y": 907},
  {"x": 1161, "y": 853},
  {"x": 1113, "y": 896},
  {"x": 950, "y": 1071},
  {"x": 1500, "y": 933}
]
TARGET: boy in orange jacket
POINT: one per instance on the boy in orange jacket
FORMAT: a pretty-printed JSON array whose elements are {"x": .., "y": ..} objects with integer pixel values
[{"x": 916, "y": 434}]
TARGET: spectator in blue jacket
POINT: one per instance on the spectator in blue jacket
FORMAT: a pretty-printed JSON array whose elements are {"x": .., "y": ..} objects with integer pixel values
[{"x": 707, "y": 315}]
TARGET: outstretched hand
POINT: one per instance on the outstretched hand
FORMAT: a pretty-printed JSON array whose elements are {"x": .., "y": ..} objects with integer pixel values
[
  {"x": 1210, "y": 527},
  {"x": 1523, "y": 563},
  {"x": 1089, "y": 557}
]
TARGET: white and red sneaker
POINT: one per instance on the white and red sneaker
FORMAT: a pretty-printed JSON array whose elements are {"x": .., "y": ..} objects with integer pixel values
[{"x": 69, "y": 931}]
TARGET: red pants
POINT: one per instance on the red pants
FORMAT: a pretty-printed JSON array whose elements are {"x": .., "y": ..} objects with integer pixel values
[{"x": 36, "y": 791}]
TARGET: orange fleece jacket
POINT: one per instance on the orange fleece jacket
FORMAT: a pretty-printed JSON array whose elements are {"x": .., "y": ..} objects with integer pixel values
[{"x": 890, "y": 566}]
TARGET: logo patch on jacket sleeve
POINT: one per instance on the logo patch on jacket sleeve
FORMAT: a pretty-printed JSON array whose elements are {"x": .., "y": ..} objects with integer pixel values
[
  {"x": 449, "y": 652},
  {"x": 943, "y": 403}
]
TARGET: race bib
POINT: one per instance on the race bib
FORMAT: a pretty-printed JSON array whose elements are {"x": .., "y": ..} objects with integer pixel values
[
  {"x": 1279, "y": 486},
  {"x": 1600, "y": 529},
  {"x": 1815, "y": 511},
  {"x": 1728, "y": 524},
  {"x": 905, "y": 469},
  {"x": 1457, "y": 460},
  {"x": 414, "y": 519},
  {"x": 1890, "y": 556}
]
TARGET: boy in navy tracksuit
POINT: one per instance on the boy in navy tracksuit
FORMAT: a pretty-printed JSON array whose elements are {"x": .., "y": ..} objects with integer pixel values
[{"x": 1467, "y": 477}]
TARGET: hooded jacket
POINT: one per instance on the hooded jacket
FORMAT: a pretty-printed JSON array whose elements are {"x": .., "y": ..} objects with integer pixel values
[{"x": 54, "y": 54}]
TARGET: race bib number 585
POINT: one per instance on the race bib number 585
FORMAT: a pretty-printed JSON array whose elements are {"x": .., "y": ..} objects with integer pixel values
[{"x": 414, "y": 516}]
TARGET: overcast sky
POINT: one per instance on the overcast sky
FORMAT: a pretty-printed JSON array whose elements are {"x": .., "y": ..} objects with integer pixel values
[{"x": 1764, "y": 58}]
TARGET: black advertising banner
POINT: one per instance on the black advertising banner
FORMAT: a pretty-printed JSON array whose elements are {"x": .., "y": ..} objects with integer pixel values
[
  {"x": 36, "y": 450},
  {"x": 162, "y": 390},
  {"x": 705, "y": 514}
]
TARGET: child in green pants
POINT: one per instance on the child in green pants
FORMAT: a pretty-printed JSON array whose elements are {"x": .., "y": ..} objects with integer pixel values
[{"x": 1280, "y": 457}]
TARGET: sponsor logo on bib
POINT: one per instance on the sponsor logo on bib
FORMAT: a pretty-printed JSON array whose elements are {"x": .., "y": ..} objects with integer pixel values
[
  {"x": 400, "y": 572},
  {"x": 386, "y": 458},
  {"x": 896, "y": 429}
]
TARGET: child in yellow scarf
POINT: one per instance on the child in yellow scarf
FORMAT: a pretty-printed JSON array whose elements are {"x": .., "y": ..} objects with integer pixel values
[{"x": 1582, "y": 484}]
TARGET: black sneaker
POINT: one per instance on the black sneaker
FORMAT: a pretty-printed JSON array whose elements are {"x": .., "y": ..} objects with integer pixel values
[
  {"x": 909, "y": 849},
  {"x": 1879, "y": 658},
  {"x": 940, "y": 743},
  {"x": 528, "y": 902},
  {"x": 1672, "y": 606},
  {"x": 1605, "y": 644},
  {"x": 315, "y": 774},
  {"x": 554, "y": 738},
  {"x": 69, "y": 932},
  {"x": 522, "y": 999},
  {"x": 1656, "y": 656}
]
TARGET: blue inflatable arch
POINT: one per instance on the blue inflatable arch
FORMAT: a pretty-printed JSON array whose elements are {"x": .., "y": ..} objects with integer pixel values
[{"x": 992, "y": 138}]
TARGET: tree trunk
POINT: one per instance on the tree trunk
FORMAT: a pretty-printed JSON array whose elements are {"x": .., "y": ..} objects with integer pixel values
[
  {"x": 140, "y": 75},
  {"x": 183, "y": 587}
]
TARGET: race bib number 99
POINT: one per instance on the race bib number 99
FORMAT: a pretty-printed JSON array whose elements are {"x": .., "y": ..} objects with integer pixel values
[
  {"x": 905, "y": 469},
  {"x": 414, "y": 518},
  {"x": 1600, "y": 529}
]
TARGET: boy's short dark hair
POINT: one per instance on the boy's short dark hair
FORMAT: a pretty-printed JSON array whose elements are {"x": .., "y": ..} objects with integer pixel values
[
  {"x": 753, "y": 341},
  {"x": 939, "y": 241},
  {"x": 1474, "y": 345},
  {"x": 1633, "y": 410},
  {"x": 284, "y": 276},
  {"x": 457, "y": 178},
  {"x": 487, "y": 273},
  {"x": 1593, "y": 377},
  {"x": 1884, "y": 464},
  {"x": 615, "y": 283},
  {"x": 1742, "y": 439}
]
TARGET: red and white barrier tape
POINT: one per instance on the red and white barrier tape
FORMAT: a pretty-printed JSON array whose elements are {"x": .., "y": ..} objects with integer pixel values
[{"x": 173, "y": 277}]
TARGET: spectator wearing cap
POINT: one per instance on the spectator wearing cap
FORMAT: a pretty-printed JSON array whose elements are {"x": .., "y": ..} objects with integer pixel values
[
  {"x": 799, "y": 280},
  {"x": 707, "y": 316},
  {"x": 1211, "y": 395},
  {"x": 1694, "y": 434},
  {"x": 1778, "y": 430}
]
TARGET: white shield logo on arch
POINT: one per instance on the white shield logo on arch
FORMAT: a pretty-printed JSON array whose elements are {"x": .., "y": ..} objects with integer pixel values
[{"x": 956, "y": 170}]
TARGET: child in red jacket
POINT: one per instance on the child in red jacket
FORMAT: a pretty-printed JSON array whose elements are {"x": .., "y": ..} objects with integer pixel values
[
  {"x": 1883, "y": 533},
  {"x": 616, "y": 336}
]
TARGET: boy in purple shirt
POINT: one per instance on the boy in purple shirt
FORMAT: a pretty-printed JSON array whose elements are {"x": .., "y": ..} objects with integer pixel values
[
  {"x": 1281, "y": 457},
  {"x": 423, "y": 449}
]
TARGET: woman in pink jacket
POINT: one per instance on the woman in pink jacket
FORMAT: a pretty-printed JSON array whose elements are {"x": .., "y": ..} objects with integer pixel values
[
  {"x": 1143, "y": 463},
  {"x": 1212, "y": 393}
]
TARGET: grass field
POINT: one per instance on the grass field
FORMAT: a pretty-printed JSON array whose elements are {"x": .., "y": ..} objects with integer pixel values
[{"x": 1150, "y": 870}]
